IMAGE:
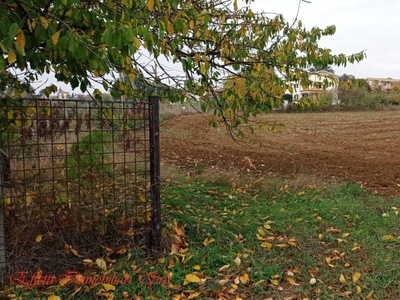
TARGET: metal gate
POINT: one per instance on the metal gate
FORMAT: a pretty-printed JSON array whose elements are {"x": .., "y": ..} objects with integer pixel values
[{"x": 79, "y": 180}]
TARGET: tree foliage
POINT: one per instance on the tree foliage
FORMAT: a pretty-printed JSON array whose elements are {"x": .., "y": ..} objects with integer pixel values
[{"x": 204, "y": 41}]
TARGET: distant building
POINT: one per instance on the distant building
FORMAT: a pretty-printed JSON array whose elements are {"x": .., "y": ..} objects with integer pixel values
[
  {"x": 383, "y": 84},
  {"x": 319, "y": 79},
  {"x": 62, "y": 95}
]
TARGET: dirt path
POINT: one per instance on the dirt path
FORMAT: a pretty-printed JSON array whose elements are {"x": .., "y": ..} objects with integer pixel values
[{"x": 361, "y": 147}]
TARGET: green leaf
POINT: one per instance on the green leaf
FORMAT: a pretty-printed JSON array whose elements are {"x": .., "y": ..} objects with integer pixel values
[{"x": 12, "y": 31}]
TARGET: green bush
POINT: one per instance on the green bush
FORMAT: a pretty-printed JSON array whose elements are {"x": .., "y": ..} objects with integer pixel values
[{"x": 88, "y": 157}]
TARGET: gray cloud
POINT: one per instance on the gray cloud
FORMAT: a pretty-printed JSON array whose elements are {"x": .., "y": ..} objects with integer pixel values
[{"x": 361, "y": 25}]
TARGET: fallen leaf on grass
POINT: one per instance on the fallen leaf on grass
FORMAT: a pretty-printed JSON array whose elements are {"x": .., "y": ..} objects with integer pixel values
[
  {"x": 388, "y": 237},
  {"x": 38, "y": 239},
  {"x": 356, "y": 276},
  {"x": 192, "y": 278},
  {"x": 223, "y": 282},
  {"x": 291, "y": 281},
  {"x": 194, "y": 295},
  {"x": 313, "y": 281},
  {"x": 108, "y": 287},
  {"x": 244, "y": 278},
  {"x": 208, "y": 241},
  {"x": 267, "y": 226},
  {"x": 224, "y": 267},
  {"x": 101, "y": 264},
  {"x": 275, "y": 279},
  {"x": 333, "y": 230},
  {"x": 395, "y": 210},
  {"x": 171, "y": 263},
  {"x": 259, "y": 282},
  {"x": 237, "y": 261},
  {"x": 261, "y": 231},
  {"x": 267, "y": 245},
  {"x": 369, "y": 296},
  {"x": 342, "y": 279},
  {"x": 53, "y": 297},
  {"x": 74, "y": 252}
]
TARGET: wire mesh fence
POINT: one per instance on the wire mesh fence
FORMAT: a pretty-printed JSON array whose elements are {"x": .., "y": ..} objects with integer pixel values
[{"x": 76, "y": 181}]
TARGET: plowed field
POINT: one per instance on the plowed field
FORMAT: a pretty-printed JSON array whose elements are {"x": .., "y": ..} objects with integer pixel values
[{"x": 362, "y": 147}]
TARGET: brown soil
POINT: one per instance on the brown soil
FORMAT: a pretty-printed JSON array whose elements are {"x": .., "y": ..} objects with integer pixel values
[{"x": 362, "y": 147}]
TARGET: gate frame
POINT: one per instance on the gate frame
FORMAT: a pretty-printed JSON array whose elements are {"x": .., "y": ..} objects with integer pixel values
[{"x": 154, "y": 122}]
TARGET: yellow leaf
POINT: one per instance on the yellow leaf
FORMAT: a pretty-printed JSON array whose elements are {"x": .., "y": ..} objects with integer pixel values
[
  {"x": 261, "y": 231},
  {"x": 301, "y": 193},
  {"x": 292, "y": 242},
  {"x": 208, "y": 241},
  {"x": 194, "y": 295},
  {"x": 342, "y": 279},
  {"x": 53, "y": 297},
  {"x": 10, "y": 115},
  {"x": 291, "y": 280},
  {"x": 275, "y": 280},
  {"x": 192, "y": 278},
  {"x": 191, "y": 24},
  {"x": 132, "y": 77},
  {"x": 358, "y": 289},
  {"x": 267, "y": 226},
  {"x": 75, "y": 252},
  {"x": 55, "y": 37},
  {"x": 244, "y": 278},
  {"x": 38, "y": 239},
  {"x": 44, "y": 22},
  {"x": 388, "y": 237},
  {"x": 136, "y": 41},
  {"x": 101, "y": 263},
  {"x": 20, "y": 41},
  {"x": 235, "y": 5},
  {"x": 170, "y": 28},
  {"x": 29, "y": 198},
  {"x": 150, "y": 5},
  {"x": 369, "y": 296},
  {"x": 87, "y": 261},
  {"x": 108, "y": 287},
  {"x": 142, "y": 197},
  {"x": 267, "y": 245},
  {"x": 197, "y": 267},
  {"x": 237, "y": 261},
  {"x": 356, "y": 276},
  {"x": 12, "y": 56}
]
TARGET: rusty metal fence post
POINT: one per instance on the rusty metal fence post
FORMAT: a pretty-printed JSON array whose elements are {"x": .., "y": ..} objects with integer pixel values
[{"x": 155, "y": 238}]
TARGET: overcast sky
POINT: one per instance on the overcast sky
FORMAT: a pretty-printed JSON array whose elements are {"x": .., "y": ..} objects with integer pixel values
[{"x": 372, "y": 25}]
